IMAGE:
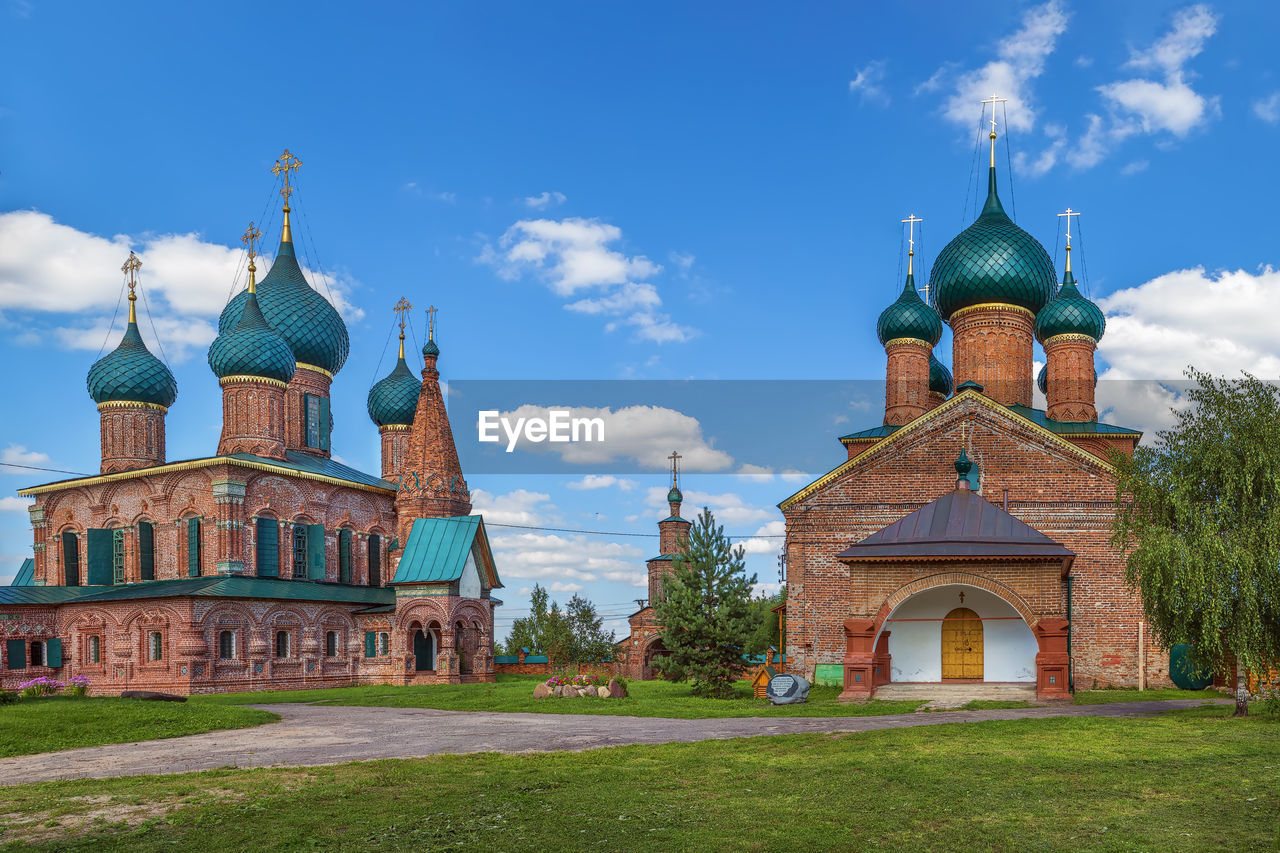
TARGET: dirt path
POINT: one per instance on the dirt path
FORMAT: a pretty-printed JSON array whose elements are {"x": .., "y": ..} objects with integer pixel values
[{"x": 327, "y": 734}]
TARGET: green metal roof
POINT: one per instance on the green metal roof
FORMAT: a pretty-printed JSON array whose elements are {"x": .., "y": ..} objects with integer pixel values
[
  {"x": 874, "y": 432},
  {"x": 909, "y": 317},
  {"x": 675, "y": 518},
  {"x": 394, "y": 399},
  {"x": 41, "y": 594},
  {"x": 309, "y": 464},
  {"x": 252, "y": 348},
  {"x": 236, "y": 586},
  {"x": 1039, "y": 418},
  {"x": 437, "y": 549},
  {"x": 1070, "y": 313},
  {"x": 130, "y": 373},
  {"x": 26, "y": 573}
]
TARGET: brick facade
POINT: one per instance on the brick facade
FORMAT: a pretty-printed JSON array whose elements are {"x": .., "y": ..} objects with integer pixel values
[
  {"x": 1070, "y": 378},
  {"x": 132, "y": 435},
  {"x": 906, "y": 388},
  {"x": 992, "y": 345}
]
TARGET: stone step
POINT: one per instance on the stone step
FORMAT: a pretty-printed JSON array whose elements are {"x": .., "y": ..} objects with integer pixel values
[{"x": 945, "y": 695}]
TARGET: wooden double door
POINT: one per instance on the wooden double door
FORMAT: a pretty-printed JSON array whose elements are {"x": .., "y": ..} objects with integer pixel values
[{"x": 962, "y": 645}]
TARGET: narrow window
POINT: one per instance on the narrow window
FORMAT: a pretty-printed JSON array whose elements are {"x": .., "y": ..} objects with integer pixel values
[
  {"x": 384, "y": 643},
  {"x": 193, "y": 547},
  {"x": 117, "y": 555},
  {"x": 146, "y": 551},
  {"x": 95, "y": 649},
  {"x": 155, "y": 646},
  {"x": 282, "y": 644},
  {"x": 226, "y": 645},
  {"x": 316, "y": 421},
  {"x": 331, "y": 644},
  {"x": 299, "y": 550},
  {"x": 70, "y": 559},
  {"x": 375, "y": 560},
  {"x": 344, "y": 555},
  {"x": 37, "y": 653}
]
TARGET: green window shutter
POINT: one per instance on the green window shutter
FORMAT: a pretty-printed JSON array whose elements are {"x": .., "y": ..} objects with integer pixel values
[
  {"x": 53, "y": 652},
  {"x": 15, "y": 652},
  {"x": 315, "y": 552},
  {"x": 375, "y": 560},
  {"x": 193, "y": 547},
  {"x": 147, "y": 550},
  {"x": 326, "y": 423},
  {"x": 370, "y": 644},
  {"x": 71, "y": 558},
  {"x": 268, "y": 548},
  {"x": 344, "y": 555},
  {"x": 311, "y": 420},
  {"x": 99, "y": 557}
]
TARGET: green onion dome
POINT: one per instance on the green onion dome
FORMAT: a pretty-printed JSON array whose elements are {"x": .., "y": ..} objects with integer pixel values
[
  {"x": 252, "y": 348},
  {"x": 992, "y": 260},
  {"x": 909, "y": 317},
  {"x": 430, "y": 348},
  {"x": 1042, "y": 380},
  {"x": 674, "y": 496},
  {"x": 940, "y": 381},
  {"x": 394, "y": 399},
  {"x": 1070, "y": 313},
  {"x": 305, "y": 319},
  {"x": 131, "y": 374}
]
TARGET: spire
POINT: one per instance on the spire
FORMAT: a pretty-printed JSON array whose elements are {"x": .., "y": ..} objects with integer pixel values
[
  {"x": 911, "y": 221},
  {"x": 252, "y": 237},
  {"x": 402, "y": 308},
  {"x": 430, "y": 349},
  {"x": 130, "y": 269},
  {"x": 993, "y": 200},
  {"x": 675, "y": 497},
  {"x": 1067, "y": 277},
  {"x": 286, "y": 163}
]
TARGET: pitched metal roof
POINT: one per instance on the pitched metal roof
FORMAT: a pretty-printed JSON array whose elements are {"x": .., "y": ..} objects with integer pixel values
[
  {"x": 26, "y": 573},
  {"x": 437, "y": 549},
  {"x": 220, "y": 586},
  {"x": 958, "y": 524},
  {"x": 307, "y": 464},
  {"x": 39, "y": 594}
]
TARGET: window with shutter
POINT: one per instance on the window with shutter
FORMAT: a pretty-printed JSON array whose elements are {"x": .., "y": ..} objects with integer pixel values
[
  {"x": 344, "y": 555},
  {"x": 299, "y": 550},
  {"x": 267, "y": 548},
  {"x": 384, "y": 643},
  {"x": 146, "y": 551},
  {"x": 15, "y": 654},
  {"x": 98, "y": 556},
  {"x": 315, "y": 552},
  {"x": 193, "y": 547},
  {"x": 370, "y": 644},
  {"x": 375, "y": 560},
  {"x": 70, "y": 559},
  {"x": 37, "y": 653},
  {"x": 326, "y": 423},
  {"x": 311, "y": 420},
  {"x": 117, "y": 555},
  {"x": 155, "y": 646},
  {"x": 53, "y": 652}
]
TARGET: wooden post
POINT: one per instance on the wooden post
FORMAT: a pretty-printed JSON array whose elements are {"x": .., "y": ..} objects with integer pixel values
[{"x": 1142, "y": 660}]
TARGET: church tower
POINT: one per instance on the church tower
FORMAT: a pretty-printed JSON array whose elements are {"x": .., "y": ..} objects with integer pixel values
[
  {"x": 908, "y": 329},
  {"x": 392, "y": 403},
  {"x": 1069, "y": 328},
  {"x": 988, "y": 284},
  {"x": 673, "y": 532},
  {"x": 133, "y": 390},
  {"x": 430, "y": 479}
]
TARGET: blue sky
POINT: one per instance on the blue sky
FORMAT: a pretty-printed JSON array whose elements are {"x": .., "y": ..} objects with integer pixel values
[{"x": 665, "y": 192}]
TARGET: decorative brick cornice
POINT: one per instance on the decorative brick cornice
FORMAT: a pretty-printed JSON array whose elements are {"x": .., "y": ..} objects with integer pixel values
[
  {"x": 907, "y": 342},
  {"x": 1070, "y": 337},
  {"x": 395, "y": 428},
  {"x": 131, "y": 404},
  {"x": 991, "y": 306},
  {"x": 302, "y": 365},
  {"x": 241, "y": 378}
]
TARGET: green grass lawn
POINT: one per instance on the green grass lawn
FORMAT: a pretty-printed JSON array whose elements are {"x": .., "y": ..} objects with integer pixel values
[
  {"x": 515, "y": 693},
  {"x": 63, "y": 722},
  {"x": 1196, "y": 781},
  {"x": 1106, "y": 697}
]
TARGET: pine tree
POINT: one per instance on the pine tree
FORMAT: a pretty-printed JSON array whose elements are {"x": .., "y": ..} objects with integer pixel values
[
  {"x": 706, "y": 611},
  {"x": 1201, "y": 512}
]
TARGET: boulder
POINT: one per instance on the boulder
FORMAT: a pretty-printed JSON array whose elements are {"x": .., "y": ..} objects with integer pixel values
[
  {"x": 542, "y": 691},
  {"x": 616, "y": 690},
  {"x": 152, "y": 695},
  {"x": 603, "y": 692}
]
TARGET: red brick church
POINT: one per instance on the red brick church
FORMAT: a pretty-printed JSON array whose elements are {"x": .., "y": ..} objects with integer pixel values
[
  {"x": 266, "y": 564},
  {"x": 965, "y": 539}
]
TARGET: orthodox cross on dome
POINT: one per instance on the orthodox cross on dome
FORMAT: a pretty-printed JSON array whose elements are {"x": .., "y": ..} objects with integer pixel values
[
  {"x": 130, "y": 268},
  {"x": 993, "y": 100},
  {"x": 402, "y": 309},
  {"x": 431, "y": 322},
  {"x": 911, "y": 221},
  {"x": 675, "y": 468},
  {"x": 1070, "y": 213},
  {"x": 284, "y": 164},
  {"x": 252, "y": 237}
]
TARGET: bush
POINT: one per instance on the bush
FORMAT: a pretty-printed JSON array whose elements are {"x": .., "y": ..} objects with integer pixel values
[{"x": 8, "y": 697}]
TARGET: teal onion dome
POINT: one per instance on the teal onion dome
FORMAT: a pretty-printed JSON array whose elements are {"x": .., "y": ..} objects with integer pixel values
[
  {"x": 308, "y": 323},
  {"x": 131, "y": 374},
  {"x": 909, "y": 317},
  {"x": 1070, "y": 313},
  {"x": 940, "y": 381},
  {"x": 430, "y": 348},
  {"x": 252, "y": 348},
  {"x": 394, "y": 399},
  {"x": 674, "y": 496},
  {"x": 992, "y": 260}
]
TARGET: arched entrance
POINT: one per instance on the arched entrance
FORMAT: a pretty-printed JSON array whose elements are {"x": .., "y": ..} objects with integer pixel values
[
  {"x": 424, "y": 651},
  {"x": 653, "y": 653},
  {"x": 962, "y": 653}
]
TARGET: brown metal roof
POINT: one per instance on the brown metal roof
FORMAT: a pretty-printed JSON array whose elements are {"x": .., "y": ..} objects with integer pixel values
[{"x": 958, "y": 524}]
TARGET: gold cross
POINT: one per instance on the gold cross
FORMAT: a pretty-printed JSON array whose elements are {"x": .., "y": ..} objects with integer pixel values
[
  {"x": 431, "y": 322},
  {"x": 251, "y": 237},
  {"x": 286, "y": 162},
  {"x": 911, "y": 221},
  {"x": 130, "y": 269},
  {"x": 402, "y": 308},
  {"x": 675, "y": 467}
]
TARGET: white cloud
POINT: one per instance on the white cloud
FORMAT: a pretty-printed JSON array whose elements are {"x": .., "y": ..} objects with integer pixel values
[
  {"x": 730, "y": 509},
  {"x": 547, "y": 199},
  {"x": 17, "y": 454},
  {"x": 1135, "y": 167},
  {"x": 793, "y": 475},
  {"x": 518, "y": 507},
  {"x": 1020, "y": 59},
  {"x": 755, "y": 473},
  {"x": 1268, "y": 108},
  {"x": 50, "y": 268},
  {"x": 13, "y": 504},
  {"x": 575, "y": 256},
  {"x": 765, "y": 540},
  {"x": 868, "y": 83},
  {"x": 564, "y": 558},
  {"x": 602, "y": 481},
  {"x": 641, "y": 435}
]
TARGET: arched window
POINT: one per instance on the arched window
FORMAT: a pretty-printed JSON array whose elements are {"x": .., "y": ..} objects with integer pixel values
[
  {"x": 155, "y": 646},
  {"x": 146, "y": 551},
  {"x": 70, "y": 558},
  {"x": 344, "y": 555},
  {"x": 384, "y": 643},
  {"x": 227, "y": 645},
  {"x": 299, "y": 550},
  {"x": 331, "y": 644},
  {"x": 194, "y": 549},
  {"x": 282, "y": 644},
  {"x": 375, "y": 560},
  {"x": 95, "y": 649},
  {"x": 117, "y": 555}
]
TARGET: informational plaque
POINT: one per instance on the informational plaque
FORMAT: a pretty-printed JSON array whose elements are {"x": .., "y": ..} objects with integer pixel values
[{"x": 787, "y": 689}]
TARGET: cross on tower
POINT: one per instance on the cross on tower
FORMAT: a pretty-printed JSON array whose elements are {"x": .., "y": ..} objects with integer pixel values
[
  {"x": 130, "y": 269},
  {"x": 283, "y": 165},
  {"x": 675, "y": 468},
  {"x": 1070, "y": 213},
  {"x": 911, "y": 221},
  {"x": 993, "y": 100},
  {"x": 251, "y": 238},
  {"x": 431, "y": 322},
  {"x": 402, "y": 308}
]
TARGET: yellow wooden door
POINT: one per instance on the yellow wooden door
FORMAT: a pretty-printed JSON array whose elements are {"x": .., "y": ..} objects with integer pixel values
[{"x": 962, "y": 645}]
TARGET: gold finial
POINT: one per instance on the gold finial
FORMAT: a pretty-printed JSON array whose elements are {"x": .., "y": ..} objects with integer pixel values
[
  {"x": 911, "y": 221},
  {"x": 675, "y": 468},
  {"x": 1070, "y": 213},
  {"x": 993, "y": 100},
  {"x": 431, "y": 323},
  {"x": 250, "y": 238},
  {"x": 130, "y": 269},
  {"x": 284, "y": 164},
  {"x": 402, "y": 308}
]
